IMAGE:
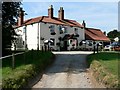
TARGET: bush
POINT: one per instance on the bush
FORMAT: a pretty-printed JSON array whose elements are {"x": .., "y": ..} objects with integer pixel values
[{"x": 19, "y": 78}]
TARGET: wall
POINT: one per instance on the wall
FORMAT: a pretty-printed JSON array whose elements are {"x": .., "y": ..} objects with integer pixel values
[
  {"x": 32, "y": 32},
  {"x": 44, "y": 32}
]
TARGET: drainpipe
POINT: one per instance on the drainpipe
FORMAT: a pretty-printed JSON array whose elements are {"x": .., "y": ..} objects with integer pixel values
[{"x": 38, "y": 37}]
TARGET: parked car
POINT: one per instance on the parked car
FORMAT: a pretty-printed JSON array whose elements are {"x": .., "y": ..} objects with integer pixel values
[
  {"x": 111, "y": 47},
  {"x": 108, "y": 48},
  {"x": 117, "y": 47}
]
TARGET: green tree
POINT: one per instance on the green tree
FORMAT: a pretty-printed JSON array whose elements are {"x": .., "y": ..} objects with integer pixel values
[
  {"x": 9, "y": 18},
  {"x": 113, "y": 34}
]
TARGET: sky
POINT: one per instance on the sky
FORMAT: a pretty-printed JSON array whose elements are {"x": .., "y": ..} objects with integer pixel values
[{"x": 101, "y": 15}]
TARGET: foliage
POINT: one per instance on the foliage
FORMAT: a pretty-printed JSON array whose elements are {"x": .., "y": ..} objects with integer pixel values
[
  {"x": 9, "y": 16},
  {"x": 113, "y": 34},
  {"x": 105, "y": 67},
  {"x": 103, "y": 76},
  {"x": 19, "y": 77},
  {"x": 24, "y": 71}
]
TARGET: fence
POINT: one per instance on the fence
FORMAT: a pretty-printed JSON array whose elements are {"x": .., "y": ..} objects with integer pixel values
[{"x": 18, "y": 59}]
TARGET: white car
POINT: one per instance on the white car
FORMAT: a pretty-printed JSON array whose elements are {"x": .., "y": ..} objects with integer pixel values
[
  {"x": 111, "y": 46},
  {"x": 108, "y": 48}
]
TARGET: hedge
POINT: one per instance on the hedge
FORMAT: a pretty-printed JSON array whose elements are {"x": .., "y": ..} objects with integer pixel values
[{"x": 20, "y": 76}]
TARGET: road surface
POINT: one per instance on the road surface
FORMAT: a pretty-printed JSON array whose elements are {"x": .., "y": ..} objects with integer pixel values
[{"x": 68, "y": 71}]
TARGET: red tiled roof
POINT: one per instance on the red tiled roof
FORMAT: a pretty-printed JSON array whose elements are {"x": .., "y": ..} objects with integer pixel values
[
  {"x": 95, "y": 34},
  {"x": 53, "y": 20}
]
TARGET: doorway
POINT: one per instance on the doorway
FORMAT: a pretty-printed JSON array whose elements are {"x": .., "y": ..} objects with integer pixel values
[{"x": 65, "y": 45}]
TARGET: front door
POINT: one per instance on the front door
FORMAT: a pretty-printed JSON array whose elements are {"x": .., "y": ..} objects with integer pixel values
[{"x": 65, "y": 45}]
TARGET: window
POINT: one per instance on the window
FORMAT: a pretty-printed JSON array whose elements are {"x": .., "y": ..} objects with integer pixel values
[
  {"x": 62, "y": 29},
  {"x": 52, "y": 29},
  {"x": 52, "y": 43},
  {"x": 70, "y": 41},
  {"x": 90, "y": 43},
  {"x": 24, "y": 29},
  {"x": 23, "y": 42},
  {"x": 94, "y": 42},
  {"x": 76, "y": 30}
]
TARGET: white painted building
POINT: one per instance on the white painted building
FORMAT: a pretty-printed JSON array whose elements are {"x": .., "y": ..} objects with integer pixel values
[{"x": 64, "y": 34}]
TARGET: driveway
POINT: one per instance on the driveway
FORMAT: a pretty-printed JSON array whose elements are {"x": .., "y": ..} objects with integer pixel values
[{"x": 68, "y": 71}]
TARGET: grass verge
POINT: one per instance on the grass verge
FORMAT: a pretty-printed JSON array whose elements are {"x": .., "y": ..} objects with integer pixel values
[
  {"x": 105, "y": 68},
  {"x": 26, "y": 67}
]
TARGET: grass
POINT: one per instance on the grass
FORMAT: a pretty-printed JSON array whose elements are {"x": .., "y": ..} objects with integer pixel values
[
  {"x": 108, "y": 59},
  {"x": 26, "y": 66},
  {"x": 105, "y": 64}
]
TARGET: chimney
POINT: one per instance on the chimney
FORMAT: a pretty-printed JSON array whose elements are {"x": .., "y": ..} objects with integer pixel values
[
  {"x": 84, "y": 24},
  {"x": 104, "y": 33},
  {"x": 50, "y": 12},
  {"x": 61, "y": 13},
  {"x": 21, "y": 17}
]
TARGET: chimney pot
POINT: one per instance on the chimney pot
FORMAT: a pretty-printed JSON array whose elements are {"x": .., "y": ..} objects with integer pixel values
[
  {"x": 84, "y": 24},
  {"x": 61, "y": 8},
  {"x": 51, "y": 6},
  {"x": 104, "y": 33}
]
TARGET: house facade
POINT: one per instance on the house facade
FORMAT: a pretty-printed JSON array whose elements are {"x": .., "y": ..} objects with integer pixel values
[{"x": 56, "y": 33}]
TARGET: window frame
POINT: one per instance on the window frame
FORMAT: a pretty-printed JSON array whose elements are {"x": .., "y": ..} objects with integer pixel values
[
  {"x": 52, "y": 29},
  {"x": 52, "y": 43}
]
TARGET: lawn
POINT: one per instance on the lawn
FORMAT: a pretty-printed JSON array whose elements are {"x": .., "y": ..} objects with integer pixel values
[
  {"x": 26, "y": 66},
  {"x": 105, "y": 63},
  {"x": 108, "y": 59}
]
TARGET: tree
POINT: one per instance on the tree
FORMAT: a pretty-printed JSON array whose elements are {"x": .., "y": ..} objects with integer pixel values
[
  {"x": 113, "y": 34},
  {"x": 10, "y": 12}
]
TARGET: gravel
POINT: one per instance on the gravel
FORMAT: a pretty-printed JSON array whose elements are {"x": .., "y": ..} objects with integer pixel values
[{"x": 68, "y": 71}]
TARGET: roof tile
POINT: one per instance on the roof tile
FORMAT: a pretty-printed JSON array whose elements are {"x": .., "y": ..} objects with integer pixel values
[
  {"x": 53, "y": 20},
  {"x": 95, "y": 34}
]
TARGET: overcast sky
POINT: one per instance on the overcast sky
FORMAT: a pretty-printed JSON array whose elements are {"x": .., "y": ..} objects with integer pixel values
[{"x": 102, "y": 15}]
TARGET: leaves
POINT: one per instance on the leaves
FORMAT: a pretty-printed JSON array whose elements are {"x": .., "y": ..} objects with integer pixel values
[
  {"x": 9, "y": 18},
  {"x": 113, "y": 34}
]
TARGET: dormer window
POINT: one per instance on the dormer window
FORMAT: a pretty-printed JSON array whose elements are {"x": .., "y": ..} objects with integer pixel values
[{"x": 52, "y": 29}]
